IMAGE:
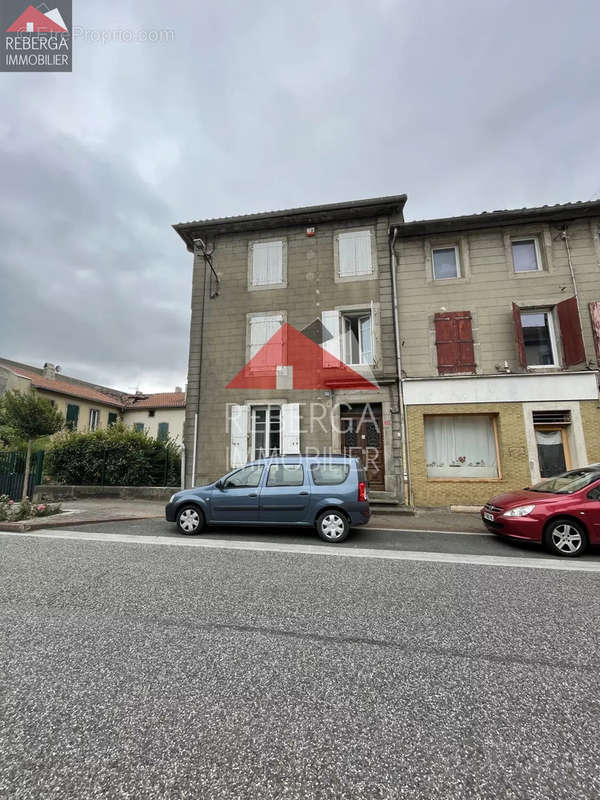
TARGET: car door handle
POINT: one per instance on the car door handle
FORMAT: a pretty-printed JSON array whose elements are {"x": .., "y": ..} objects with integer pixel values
[
  {"x": 302, "y": 493},
  {"x": 252, "y": 494}
]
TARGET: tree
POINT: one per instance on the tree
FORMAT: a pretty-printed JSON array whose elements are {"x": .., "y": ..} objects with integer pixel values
[{"x": 24, "y": 417}]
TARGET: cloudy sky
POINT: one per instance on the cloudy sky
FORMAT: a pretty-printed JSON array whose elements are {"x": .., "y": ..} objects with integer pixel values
[{"x": 251, "y": 106}]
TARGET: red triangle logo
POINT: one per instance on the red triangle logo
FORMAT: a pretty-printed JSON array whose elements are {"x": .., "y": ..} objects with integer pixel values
[
  {"x": 38, "y": 21},
  {"x": 311, "y": 367}
]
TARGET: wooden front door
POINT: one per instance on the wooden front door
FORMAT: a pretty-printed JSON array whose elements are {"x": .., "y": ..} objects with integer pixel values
[{"x": 362, "y": 437}]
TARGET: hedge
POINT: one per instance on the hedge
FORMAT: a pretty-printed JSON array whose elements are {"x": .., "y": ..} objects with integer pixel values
[{"x": 117, "y": 456}]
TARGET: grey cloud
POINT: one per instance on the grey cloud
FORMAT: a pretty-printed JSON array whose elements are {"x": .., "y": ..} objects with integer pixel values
[{"x": 465, "y": 106}]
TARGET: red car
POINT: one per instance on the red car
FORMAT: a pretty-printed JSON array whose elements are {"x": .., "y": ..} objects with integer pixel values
[{"x": 562, "y": 512}]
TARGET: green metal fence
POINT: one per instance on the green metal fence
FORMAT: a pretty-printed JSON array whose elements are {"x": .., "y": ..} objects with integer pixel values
[{"x": 12, "y": 472}]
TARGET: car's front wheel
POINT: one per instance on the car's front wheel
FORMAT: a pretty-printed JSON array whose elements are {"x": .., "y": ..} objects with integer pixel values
[
  {"x": 190, "y": 520},
  {"x": 332, "y": 526},
  {"x": 565, "y": 537}
]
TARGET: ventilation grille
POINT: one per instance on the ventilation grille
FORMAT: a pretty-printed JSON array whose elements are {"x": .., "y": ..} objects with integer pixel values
[{"x": 552, "y": 417}]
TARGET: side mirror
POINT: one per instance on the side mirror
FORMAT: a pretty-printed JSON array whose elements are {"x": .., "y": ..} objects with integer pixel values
[{"x": 219, "y": 485}]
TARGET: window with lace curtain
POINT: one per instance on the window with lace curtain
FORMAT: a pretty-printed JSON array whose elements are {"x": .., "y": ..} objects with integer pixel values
[{"x": 459, "y": 446}]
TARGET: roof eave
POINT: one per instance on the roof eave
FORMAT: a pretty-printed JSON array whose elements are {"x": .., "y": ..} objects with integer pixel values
[
  {"x": 496, "y": 219},
  {"x": 309, "y": 215}
]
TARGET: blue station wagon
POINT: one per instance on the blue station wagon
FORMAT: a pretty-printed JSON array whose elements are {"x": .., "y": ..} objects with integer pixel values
[{"x": 327, "y": 492}]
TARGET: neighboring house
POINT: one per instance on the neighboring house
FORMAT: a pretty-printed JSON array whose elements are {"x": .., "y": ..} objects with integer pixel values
[
  {"x": 483, "y": 341},
  {"x": 87, "y": 406},
  {"x": 161, "y": 415},
  {"x": 500, "y": 318},
  {"x": 325, "y": 271}
]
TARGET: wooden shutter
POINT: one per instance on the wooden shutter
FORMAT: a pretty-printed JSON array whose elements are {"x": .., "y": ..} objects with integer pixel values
[
  {"x": 239, "y": 435},
  {"x": 570, "y": 332},
  {"x": 330, "y": 320},
  {"x": 521, "y": 354},
  {"x": 454, "y": 342},
  {"x": 163, "y": 431},
  {"x": 72, "y": 416},
  {"x": 290, "y": 428},
  {"x": 595, "y": 319}
]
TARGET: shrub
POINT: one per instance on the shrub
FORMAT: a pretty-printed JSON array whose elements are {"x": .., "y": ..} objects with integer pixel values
[
  {"x": 14, "y": 512},
  {"x": 117, "y": 456}
]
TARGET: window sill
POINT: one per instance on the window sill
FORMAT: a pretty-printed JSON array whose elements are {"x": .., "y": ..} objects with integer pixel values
[
  {"x": 464, "y": 480},
  {"x": 367, "y": 276},
  {"x": 263, "y": 286}
]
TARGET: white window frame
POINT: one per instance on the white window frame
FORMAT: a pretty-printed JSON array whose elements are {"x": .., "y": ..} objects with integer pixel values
[
  {"x": 253, "y": 285},
  {"x": 553, "y": 338},
  {"x": 94, "y": 415},
  {"x": 538, "y": 254},
  {"x": 368, "y": 312},
  {"x": 267, "y": 407},
  {"x": 356, "y": 276},
  {"x": 456, "y": 258}
]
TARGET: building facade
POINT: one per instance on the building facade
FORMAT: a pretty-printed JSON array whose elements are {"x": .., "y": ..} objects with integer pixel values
[
  {"x": 322, "y": 273},
  {"x": 499, "y": 317},
  {"x": 481, "y": 334}
]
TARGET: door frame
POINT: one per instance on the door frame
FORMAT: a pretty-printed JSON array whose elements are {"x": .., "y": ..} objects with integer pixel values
[
  {"x": 564, "y": 435},
  {"x": 357, "y": 411}
]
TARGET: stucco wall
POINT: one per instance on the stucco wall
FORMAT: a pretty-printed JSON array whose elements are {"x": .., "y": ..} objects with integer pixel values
[{"x": 174, "y": 417}]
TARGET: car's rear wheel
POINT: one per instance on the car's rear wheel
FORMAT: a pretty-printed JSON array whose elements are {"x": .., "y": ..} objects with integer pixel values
[
  {"x": 332, "y": 526},
  {"x": 190, "y": 520},
  {"x": 565, "y": 537}
]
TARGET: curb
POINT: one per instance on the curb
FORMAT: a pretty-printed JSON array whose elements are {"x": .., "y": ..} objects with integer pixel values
[{"x": 32, "y": 525}]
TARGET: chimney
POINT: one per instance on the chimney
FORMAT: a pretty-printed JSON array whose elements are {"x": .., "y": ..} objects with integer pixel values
[
  {"x": 49, "y": 371},
  {"x": 178, "y": 389}
]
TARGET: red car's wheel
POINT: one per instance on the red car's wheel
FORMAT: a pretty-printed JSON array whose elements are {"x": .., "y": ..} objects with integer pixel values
[{"x": 565, "y": 537}]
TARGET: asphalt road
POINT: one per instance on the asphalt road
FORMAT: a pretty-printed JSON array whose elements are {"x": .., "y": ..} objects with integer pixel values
[{"x": 139, "y": 669}]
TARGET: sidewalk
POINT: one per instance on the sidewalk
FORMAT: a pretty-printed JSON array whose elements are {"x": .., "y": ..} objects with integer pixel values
[{"x": 82, "y": 512}]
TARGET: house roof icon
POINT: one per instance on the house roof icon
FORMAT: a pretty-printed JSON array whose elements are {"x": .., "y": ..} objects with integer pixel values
[
  {"x": 290, "y": 360},
  {"x": 32, "y": 20}
]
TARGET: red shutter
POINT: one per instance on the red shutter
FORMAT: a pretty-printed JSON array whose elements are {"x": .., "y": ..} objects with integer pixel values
[
  {"x": 522, "y": 355},
  {"x": 454, "y": 342},
  {"x": 595, "y": 318},
  {"x": 570, "y": 331}
]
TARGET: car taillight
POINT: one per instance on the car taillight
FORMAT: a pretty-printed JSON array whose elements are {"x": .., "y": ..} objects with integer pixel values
[{"x": 362, "y": 492}]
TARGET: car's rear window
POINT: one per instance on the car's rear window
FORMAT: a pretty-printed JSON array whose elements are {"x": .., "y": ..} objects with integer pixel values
[
  {"x": 286, "y": 475},
  {"x": 329, "y": 474}
]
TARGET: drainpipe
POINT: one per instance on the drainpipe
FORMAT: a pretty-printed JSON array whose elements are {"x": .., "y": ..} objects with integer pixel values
[{"x": 406, "y": 481}]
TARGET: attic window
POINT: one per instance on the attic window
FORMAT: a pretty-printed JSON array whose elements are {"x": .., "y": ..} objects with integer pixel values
[{"x": 151, "y": 413}]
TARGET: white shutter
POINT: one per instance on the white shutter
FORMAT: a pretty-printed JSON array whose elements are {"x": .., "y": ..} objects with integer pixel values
[
  {"x": 239, "y": 435},
  {"x": 375, "y": 334},
  {"x": 346, "y": 256},
  {"x": 275, "y": 262},
  {"x": 362, "y": 243},
  {"x": 290, "y": 428},
  {"x": 260, "y": 264},
  {"x": 330, "y": 320}
]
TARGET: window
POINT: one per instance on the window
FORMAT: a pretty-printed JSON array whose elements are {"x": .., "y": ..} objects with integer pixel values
[
  {"x": 329, "y": 474},
  {"x": 357, "y": 338},
  {"x": 163, "y": 431},
  {"x": 151, "y": 413},
  {"x": 72, "y": 417},
  {"x": 266, "y": 431},
  {"x": 454, "y": 342},
  {"x": 445, "y": 263},
  {"x": 261, "y": 328},
  {"x": 354, "y": 254},
  {"x": 539, "y": 338},
  {"x": 246, "y": 478},
  {"x": 267, "y": 259},
  {"x": 526, "y": 255},
  {"x": 286, "y": 475},
  {"x": 94, "y": 419},
  {"x": 112, "y": 418},
  {"x": 461, "y": 446},
  {"x": 138, "y": 427}
]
